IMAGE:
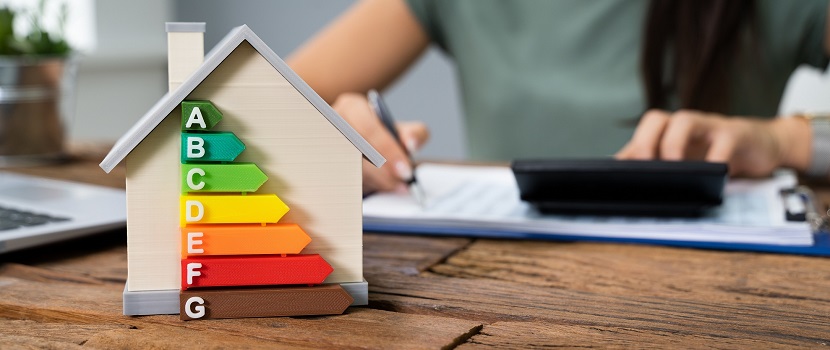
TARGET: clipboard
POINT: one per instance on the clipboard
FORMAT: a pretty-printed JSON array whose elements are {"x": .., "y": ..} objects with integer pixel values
[{"x": 799, "y": 205}]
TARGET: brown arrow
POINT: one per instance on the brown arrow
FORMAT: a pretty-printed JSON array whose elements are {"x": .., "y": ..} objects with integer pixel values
[{"x": 330, "y": 299}]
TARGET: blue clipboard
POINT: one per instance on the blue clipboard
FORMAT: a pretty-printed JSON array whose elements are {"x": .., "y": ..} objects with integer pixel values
[{"x": 820, "y": 247}]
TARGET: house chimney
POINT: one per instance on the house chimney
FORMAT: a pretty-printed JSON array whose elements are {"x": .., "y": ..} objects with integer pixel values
[{"x": 185, "y": 50}]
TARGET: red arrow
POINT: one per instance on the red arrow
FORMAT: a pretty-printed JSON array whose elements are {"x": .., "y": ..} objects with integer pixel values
[{"x": 223, "y": 271}]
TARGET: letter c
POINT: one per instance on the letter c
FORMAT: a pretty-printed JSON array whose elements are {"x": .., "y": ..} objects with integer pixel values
[{"x": 194, "y": 186}]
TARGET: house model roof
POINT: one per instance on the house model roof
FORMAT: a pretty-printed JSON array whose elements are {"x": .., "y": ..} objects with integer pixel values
[{"x": 163, "y": 107}]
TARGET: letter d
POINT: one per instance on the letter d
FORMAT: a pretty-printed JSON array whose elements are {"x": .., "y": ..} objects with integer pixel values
[{"x": 188, "y": 211}]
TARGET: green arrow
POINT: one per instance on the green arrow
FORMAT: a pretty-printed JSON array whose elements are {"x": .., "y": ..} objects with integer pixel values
[
  {"x": 237, "y": 177},
  {"x": 210, "y": 147},
  {"x": 199, "y": 115}
]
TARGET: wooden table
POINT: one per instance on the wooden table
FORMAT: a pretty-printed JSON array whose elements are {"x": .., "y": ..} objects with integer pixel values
[{"x": 428, "y": 292}]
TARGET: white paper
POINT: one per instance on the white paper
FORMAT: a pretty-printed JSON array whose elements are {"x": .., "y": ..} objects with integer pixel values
[{"x": 487, "y": 198}]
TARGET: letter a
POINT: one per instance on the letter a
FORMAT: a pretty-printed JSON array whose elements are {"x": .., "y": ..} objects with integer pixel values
[
  {"x": 195, "y": 147},
  {"x": 196, "y": 118}
]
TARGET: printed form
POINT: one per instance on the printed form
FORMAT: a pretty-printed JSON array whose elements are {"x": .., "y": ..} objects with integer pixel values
[{"x": 487, "y": 198}]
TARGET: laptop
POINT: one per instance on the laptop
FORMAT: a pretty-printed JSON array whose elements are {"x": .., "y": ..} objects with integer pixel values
[{"x": 36, "y": 211}]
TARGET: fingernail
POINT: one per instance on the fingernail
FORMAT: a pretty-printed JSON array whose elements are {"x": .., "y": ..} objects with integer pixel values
[
  {"x": 401, "y": 188},
  {"x": 412, "y": 146},
  {"x": 404, "y": 170}
]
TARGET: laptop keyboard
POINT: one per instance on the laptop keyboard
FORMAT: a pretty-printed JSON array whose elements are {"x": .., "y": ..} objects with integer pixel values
[{"x": 12, "y": 219}]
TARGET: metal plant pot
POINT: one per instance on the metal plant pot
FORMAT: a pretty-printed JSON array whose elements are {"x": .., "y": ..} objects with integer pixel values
[{"x": 36, "y": 98}]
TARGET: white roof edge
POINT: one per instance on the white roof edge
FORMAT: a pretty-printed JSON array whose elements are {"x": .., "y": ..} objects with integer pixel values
[
  {"x": 184, "y": 27},
  {"x": 335, "y": 119},
  {"x": 222, "y": 50},
  {"x": 129, "y": 141}
]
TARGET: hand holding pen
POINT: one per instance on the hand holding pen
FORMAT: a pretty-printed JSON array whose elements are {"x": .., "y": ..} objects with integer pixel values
[
  {"x": 355, "y": 108},
  {"x": 385, "y": 116}
]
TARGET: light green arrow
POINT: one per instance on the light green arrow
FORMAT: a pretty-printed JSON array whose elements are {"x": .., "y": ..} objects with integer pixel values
[
  {"x": 210, "y": 147},
  {"x": 199, "y": 115},
  {"x": 237, "y": 177}
]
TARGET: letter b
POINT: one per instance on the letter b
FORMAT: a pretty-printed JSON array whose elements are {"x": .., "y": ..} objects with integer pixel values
[{"x": 195, "y": 147}]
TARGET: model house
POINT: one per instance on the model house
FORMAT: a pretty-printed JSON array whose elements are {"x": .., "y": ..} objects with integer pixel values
[{"x": 307, "y": 157}]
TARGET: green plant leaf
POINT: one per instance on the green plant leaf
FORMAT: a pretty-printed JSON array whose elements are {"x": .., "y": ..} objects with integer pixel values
[
  {"x": 6, "y": 31},
  {"x": 39, "y": 41}
]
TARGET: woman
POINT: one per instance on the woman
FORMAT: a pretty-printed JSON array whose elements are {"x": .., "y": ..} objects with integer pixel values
[{"x": 565, "y": 78}]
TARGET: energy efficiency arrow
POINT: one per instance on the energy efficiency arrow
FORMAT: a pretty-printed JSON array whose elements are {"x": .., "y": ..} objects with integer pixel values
[
  {"x": 226, "y": 271},
  {"x": 210, "y": 147},
  {"x": 236, "y": 177},
  {"x": 231, "y": 209},
  {"x": 199, "y": 115},
  {"x": 328, "y": 299},
  {"x": 200, "y": 240}
]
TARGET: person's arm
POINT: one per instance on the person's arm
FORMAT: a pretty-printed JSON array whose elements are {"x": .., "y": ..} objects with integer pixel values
[
  {"x": 367, "y": 47},
  {"x": 751, "y": 147}
]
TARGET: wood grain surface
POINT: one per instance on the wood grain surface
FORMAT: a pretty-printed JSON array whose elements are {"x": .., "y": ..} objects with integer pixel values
[{"x": 431, "y": 292}]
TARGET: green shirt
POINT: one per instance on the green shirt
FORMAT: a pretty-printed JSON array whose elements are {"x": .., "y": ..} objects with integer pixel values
[{"x": 561, "y": 78}]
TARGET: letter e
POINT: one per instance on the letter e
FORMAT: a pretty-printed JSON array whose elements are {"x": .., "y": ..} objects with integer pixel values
[{"x": 192, "y": 242}]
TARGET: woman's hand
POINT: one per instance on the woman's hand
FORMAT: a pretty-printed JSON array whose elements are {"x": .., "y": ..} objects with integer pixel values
[
  {"x": 751, "y": 147},
  {"x": 355, "y": 109}
]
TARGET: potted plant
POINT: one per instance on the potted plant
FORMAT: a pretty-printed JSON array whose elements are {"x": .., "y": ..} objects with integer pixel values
[{"x": 37, "y": 75}]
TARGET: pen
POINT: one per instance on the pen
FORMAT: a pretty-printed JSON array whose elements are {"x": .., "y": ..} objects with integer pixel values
[{"x": 388, "y": 122}]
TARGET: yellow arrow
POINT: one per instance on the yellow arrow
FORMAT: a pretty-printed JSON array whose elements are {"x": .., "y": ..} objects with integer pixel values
[{"x": 244, "y": 209}]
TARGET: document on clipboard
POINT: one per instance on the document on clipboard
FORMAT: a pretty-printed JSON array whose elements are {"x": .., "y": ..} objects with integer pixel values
[{"x": 483, "y": 201}]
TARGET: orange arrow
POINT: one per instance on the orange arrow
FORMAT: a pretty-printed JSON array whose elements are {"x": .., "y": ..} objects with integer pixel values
[{"x": 243, "y": 239}]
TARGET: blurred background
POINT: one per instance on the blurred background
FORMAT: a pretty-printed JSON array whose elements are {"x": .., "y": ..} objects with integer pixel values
[{"x": 123, "y": 71}]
